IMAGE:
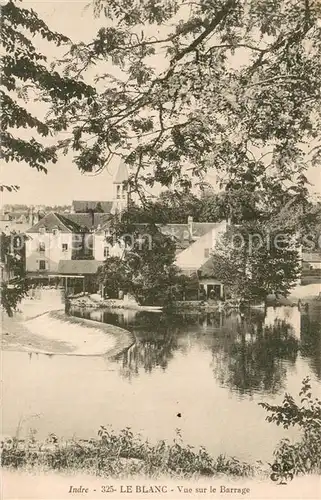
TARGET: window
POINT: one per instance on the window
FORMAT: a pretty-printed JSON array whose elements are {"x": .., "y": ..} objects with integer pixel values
[
  {"x": 42, "y": 265},
  {"x": 42, "y": 229},
  {"x": 118, "y": 192},
  {"x": 106, "y": 252},
  {"x": 64, "y": 247},
  {"x": 42, "y": 246},
  {"x": 55, "y": 231},
  {"x": 206, "y": 253}
]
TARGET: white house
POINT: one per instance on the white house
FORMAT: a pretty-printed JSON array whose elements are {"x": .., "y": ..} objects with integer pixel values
[
  {"x": 195, "y": 242},
  {"x": 49, "y": 241},
  {"x": 77, "y": 236}
]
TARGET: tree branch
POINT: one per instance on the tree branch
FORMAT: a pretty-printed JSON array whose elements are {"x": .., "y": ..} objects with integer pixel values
[{"x": 210, "y": 28}]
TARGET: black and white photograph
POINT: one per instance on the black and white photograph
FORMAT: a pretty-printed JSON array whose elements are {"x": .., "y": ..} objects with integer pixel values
[{"x": 160, "y": 249}]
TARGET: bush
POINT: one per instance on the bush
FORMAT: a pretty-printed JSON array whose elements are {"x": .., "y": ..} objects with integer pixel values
[{"x": 303, "y": 456}]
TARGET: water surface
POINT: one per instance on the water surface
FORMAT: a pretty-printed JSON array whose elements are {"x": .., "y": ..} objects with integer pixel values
[{"x": 212, "y": 369}]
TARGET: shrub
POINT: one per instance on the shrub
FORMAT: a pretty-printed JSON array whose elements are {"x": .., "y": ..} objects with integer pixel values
[
  {"x": 303, "y": 456},
  {"x": 120, "y": 455}
]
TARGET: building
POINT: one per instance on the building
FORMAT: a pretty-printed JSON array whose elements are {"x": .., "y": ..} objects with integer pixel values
[
  {"x": 57, "y": 241},
  {"x": 78, "y": 275},
  {"x": 311, "y": 268},
  {"x": 195, "y": 242},
  {"x": 116, "y": 205},
  {"x": 88, "y": 206},
  {"x": 19, "y": 221},
  {"x": 311, "y": 260}
]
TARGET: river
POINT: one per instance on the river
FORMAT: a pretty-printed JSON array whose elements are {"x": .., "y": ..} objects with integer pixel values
[{"x": 203, "y": 374}]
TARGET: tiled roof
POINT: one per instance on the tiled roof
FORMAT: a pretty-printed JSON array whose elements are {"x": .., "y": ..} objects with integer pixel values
[
  {"x": 88, "y": 220},
  {"x": 70, "y": 222},
  {"x": 78, "y": 266},
  {"x": 81, "y": 206},
  {"x": 51, "y": 221}
]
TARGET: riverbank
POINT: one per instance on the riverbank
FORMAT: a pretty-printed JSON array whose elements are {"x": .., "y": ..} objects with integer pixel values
[
  {"x": 56, "y": 333},
  {"x": 300, "y": 293},
  {"x": 94, "y": 301},
  {"x": 121, "y": 455}
]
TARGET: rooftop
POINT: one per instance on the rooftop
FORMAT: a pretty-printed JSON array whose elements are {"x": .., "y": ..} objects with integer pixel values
[
  {"x": 78, "y": 266},
  {"x": 122, "y": 173},
  {"x": 70, "y": 222}
]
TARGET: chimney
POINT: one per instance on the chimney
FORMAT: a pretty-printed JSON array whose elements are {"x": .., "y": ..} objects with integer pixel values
[{"x": 190, "y": 225}]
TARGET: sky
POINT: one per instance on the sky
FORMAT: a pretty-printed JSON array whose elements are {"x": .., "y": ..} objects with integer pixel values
[{"x": 64, "y": 182}]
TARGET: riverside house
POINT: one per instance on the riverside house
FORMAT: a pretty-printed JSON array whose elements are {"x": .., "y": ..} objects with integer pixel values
[{"x": 195, "y": 242}]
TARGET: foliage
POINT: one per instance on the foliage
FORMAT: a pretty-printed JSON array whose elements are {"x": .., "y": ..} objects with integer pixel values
[
  {"x": 253, "y": 360},
  {"x": 253, "y": 261},
  {"x": 12, "y": 294},
  {"x": 146, "y": 267},
  {"x": 120, "y": 455},
  {"x": 305, "y": 455},
  {"x": 170, "y": 207},
  {"x": 232, "y": 84},
  {"x": 175, "y": 207},
  {"x": 26, "y": 76},
  {"x": 115, "y": 276},
  {"x": 14, "y": 285}
]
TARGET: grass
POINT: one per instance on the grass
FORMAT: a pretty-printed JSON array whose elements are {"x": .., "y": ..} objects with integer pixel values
[{"x": 122, "y": 455}]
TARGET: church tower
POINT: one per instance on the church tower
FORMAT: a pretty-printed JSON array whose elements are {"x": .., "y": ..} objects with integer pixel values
[{"x": 120, "y": 200}]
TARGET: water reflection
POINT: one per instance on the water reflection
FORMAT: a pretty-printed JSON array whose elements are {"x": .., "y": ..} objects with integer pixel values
[
  {"x": 156, "y": 338},
  {"x": 256, "y": 357},
  {"x": 250, "y": 353},
  {"x": 212, "y": 368},
  {"x": 148, "y": 354}
]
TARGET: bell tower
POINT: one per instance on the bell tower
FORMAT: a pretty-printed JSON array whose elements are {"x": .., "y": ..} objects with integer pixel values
[{"x": 120, "y": 200}]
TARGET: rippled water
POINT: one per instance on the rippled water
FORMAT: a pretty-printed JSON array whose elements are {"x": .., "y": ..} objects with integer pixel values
[{"x": 212, "y": 369}]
